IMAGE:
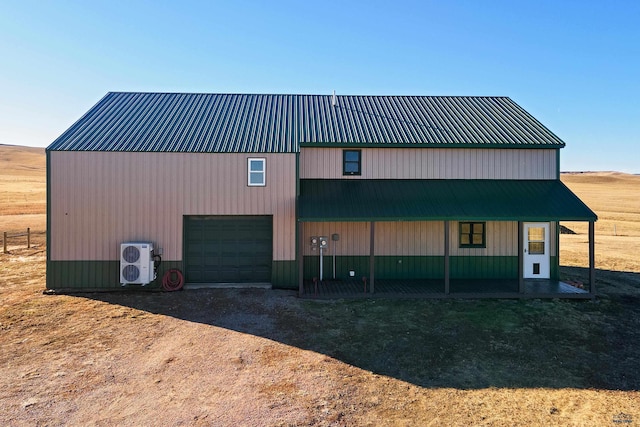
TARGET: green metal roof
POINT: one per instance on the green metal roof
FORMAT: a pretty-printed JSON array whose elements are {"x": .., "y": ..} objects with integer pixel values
[
  {"x": 438, "y": 200},
  {"x": 217, "y": 123}
]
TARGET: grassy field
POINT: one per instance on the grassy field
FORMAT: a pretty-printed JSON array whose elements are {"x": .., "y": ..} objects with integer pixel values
[
  {"x": 615, "y": 197},
  {"x": 254, "y": 357},
  {"x": 23, "y": 200}
]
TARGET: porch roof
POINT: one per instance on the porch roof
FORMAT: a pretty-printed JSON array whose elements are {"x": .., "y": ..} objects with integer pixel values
[{"x": 324, "y": 200}]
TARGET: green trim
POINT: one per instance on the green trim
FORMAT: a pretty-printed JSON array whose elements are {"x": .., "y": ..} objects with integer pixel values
[
  {"x": 414, "y": 267},
  {"x": 436, "y": 218},
  {"x": 374, "y": 200},
  {"x": 163, "y": 268},
  {"x": 556, "y": 262},
  {"x": 484, "y": 267},
  {"x": 409, "y": 267},
  {"x": 86, "y": 276},
  {"x": 297, "y": 180},
  {"x": 48, "y": 230},
  {"x": 424, "y": 145},
  {"x": 357, "y": 263},
  {"x": 558, "y": 164},
  {"x": 284, "y": 274},
  {"x": 555, "y": 268},
  {"x": 297, "y": 231},
  {"x": 184, "y": 240}
]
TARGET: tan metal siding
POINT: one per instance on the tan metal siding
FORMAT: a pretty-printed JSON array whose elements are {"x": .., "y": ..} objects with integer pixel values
[
  {"x": 433, "y": 163},
  {"x": 354, "y": 237},
  {"x": 100, "y": 199},
  {"x": 410, "y": 238},
  {"x": 417, "y": 238},
  {"x": 501, "y": 239},
  {"x": 413, "y": 238}
]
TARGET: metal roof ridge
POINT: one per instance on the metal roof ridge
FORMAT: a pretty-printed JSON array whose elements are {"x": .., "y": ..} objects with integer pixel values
[{"x": 124, "y": 92}]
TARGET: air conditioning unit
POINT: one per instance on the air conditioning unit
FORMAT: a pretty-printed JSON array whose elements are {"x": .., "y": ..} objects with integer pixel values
[{"x": 136, "y": 263}]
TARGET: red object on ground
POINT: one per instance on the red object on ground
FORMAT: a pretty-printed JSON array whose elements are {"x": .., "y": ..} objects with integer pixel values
[{"x": 173, "y": 280}]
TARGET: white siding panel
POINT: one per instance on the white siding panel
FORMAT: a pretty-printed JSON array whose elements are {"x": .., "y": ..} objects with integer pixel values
[
  {"x": 100, "y": 199},
  {"x": 433, "y": 163}
]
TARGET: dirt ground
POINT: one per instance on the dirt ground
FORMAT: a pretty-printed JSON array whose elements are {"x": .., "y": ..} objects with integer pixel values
[
  {"x": 248, "y": 357},
  {"x": 268, "y": 358},
  {"x": 251, "y": 357}
]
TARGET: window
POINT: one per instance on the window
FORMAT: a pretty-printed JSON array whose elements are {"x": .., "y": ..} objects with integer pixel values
[
  {"x": 257, "y": 172},
  {"x": 351, "y": 162},
  {"x": 536, "y": 241},
  {"x": 472, "y": 235}
]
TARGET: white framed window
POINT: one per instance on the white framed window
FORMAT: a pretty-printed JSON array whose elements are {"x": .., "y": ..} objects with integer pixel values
[{"x": 256, "y": 172}]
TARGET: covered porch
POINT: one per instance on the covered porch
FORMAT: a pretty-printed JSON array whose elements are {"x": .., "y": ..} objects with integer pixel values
[
  {"x": 434, "y": 288},
  {"x": 371, "y": 202}
]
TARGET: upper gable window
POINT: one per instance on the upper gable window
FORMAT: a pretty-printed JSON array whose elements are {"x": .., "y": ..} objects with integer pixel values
[
  {"x": 257, "y": 172},
  {"x": 351, "y": 162}
]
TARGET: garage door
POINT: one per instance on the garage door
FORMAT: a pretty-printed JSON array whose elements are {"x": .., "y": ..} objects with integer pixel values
[{"x": 228, "y": 249}]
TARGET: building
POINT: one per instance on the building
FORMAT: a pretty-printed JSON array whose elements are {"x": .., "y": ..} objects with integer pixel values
[{"x": 231, "y": 188}]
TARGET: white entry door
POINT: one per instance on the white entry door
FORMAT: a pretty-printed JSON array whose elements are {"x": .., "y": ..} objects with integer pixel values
[{"x": 536, "y": 250}]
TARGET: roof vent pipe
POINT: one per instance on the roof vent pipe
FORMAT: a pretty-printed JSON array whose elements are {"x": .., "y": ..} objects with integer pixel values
[{"x": 334, "y": 100}]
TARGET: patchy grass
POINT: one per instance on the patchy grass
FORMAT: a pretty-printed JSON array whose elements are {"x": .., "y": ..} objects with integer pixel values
[{"x": 479, "y": 344}]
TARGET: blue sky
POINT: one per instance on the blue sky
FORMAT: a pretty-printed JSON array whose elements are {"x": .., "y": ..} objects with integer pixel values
[{"x": 574, "y": 65}]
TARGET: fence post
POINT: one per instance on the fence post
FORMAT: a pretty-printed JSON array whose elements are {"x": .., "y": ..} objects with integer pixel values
[
  {"x": 28, "y": 237},
  {"x": 4, "y": 242}
]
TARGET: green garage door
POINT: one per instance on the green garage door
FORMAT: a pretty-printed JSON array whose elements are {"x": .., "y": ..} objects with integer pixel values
[{"x": 228, "y": 249}]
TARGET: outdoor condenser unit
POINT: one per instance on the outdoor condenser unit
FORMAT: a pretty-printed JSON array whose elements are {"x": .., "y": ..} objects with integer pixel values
[{"x": 136, "y": 263}]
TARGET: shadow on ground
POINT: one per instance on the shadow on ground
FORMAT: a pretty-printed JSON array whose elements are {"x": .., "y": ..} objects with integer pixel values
[{"x": 438, "y": 343}]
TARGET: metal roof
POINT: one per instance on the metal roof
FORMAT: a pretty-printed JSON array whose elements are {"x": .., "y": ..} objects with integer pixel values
[
  {"x": 192, "y": 122},
  {"x": 431, "y": 200}
]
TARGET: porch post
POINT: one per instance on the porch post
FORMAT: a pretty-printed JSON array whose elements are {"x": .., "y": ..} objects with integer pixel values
[
  {"x": 300, "y": 260},
  {"x": 521, "y": 257},
  {"x": 446, "y": 257},
  {"x": 592, "y": 258},
  {"x": 372, "y": 246}
]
